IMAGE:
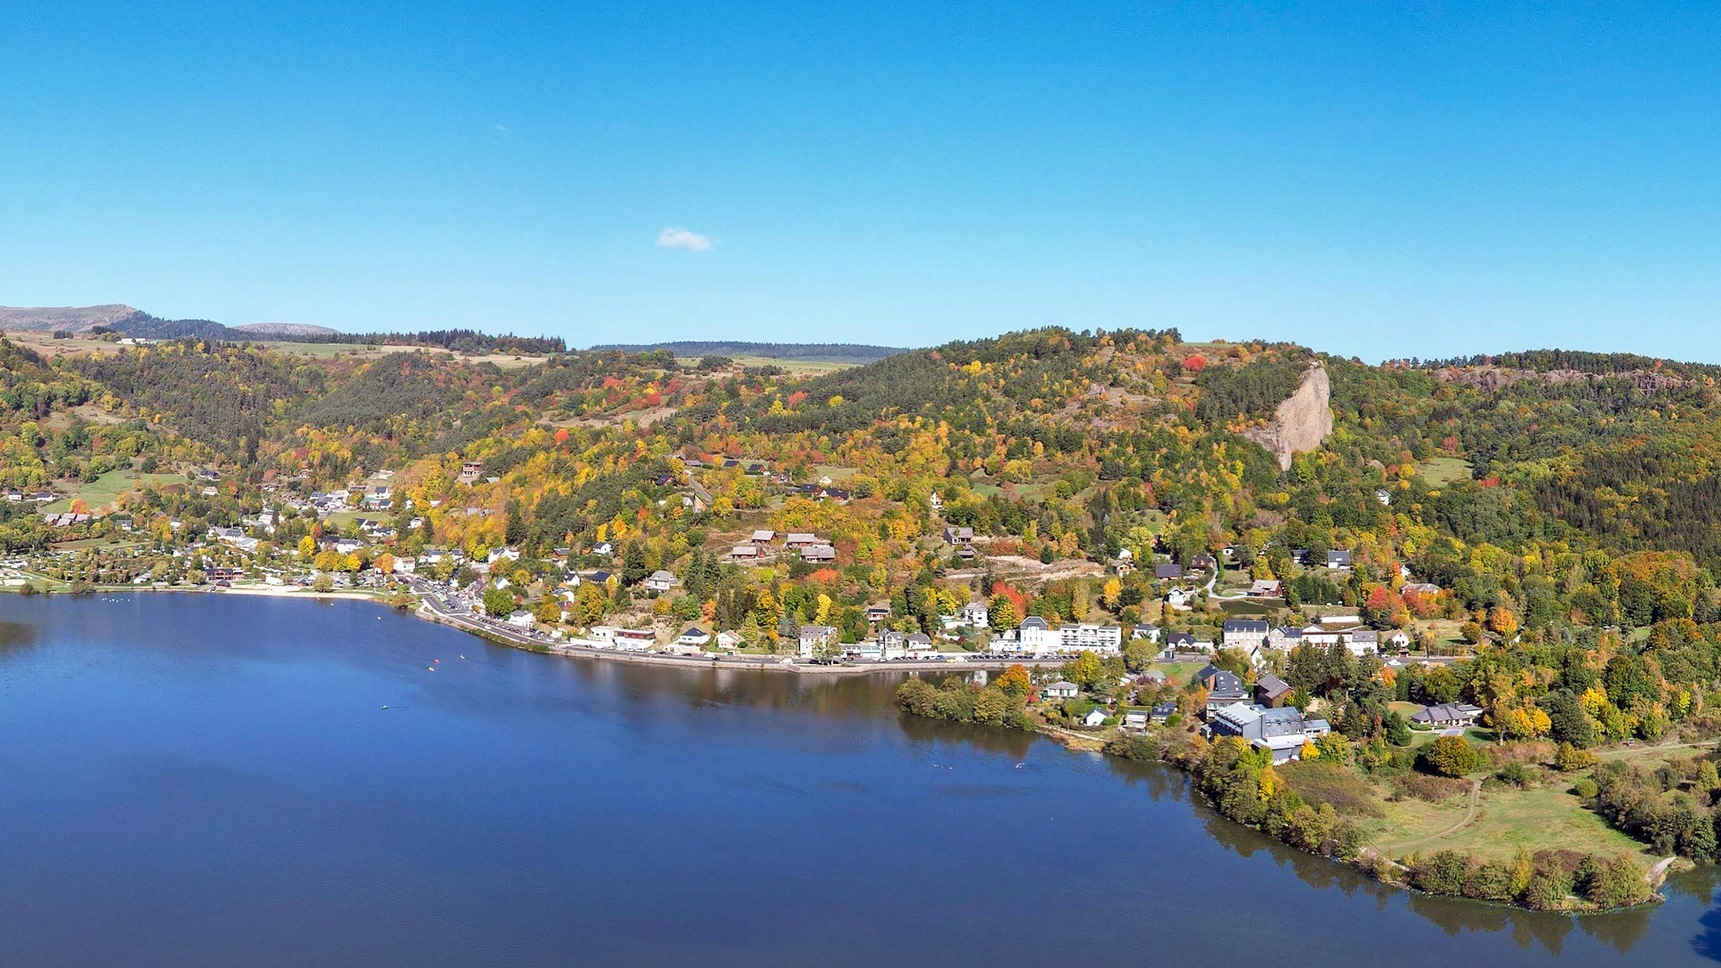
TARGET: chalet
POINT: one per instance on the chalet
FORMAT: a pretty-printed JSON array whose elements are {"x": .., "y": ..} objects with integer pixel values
[
  {"x": 1183, "y": 642},
  {"x": 1148, "y": 632},
  {"x": 1246, "y": 634},
  {"x": 877, "y": 614},
  {"x": 470, "y": 471},
  {"x": 1123, "y": 566},
  {"x": 1399, "y": 639},
  {"x": 1062, "y": 689},
  {"x": 1447, "y": 715},
  {"x": 660, "y": 581},
  {"x": 1165, "y": 571},
  {"x": 522, "y": 619},
  {"x": 1339, "y": 560},
  {"x": 1281, "y": 732},
  {"x": 958, "y": 536},
  {"x": 1180, "y": 598},
  {"x": 1284, "y": 638},
  {"x": 1363, "y": 642},
  {"x": 693, "y": 635},
  {"x": 1223, "y": 688},
  {"x": 1267, "y": 588},
  {"x": 729, "y": 641},
  {"x": 819, "y": 553},
  {"x": 1136, "y": 719},
  {"x": 744, "y": 552},
  {"x": 1270, "y": 690},
  {"x": 1095, "y": 718},
  {"x": 220, "y": 574},
  {"x": 1419, "y": 588},
  {"x": 1383, "y": 495},
  {"x": 935, "y": 502},
  {"x": 1203, "y": 563},
  {"x": 1163, "y": 711},
  {"x": 815, "y": 637},
  {"x": 801, "y": 539},
  {"x": 763, "y": 536}
]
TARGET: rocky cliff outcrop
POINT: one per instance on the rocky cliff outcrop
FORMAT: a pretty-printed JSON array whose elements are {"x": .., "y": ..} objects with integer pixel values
[{"x": 1303, "y": 419}]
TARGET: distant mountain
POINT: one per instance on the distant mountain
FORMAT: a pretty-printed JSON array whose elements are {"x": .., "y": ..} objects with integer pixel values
[
  {"x": 810, "y": 352},
  {"x": 286, "y": 329},
  {"x": 77, "y": 319}
]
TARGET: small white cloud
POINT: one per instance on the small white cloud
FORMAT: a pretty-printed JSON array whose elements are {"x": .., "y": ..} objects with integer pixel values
[
  {"x": 683, "y": 239},
  {"x": 501, "y": 129}
]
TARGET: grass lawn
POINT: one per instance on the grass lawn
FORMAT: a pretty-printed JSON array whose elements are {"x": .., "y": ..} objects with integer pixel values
[
  {"x": 1441, "y": 471},
  {"x": 108, "y": 487},
  {"x": 832, "y": 471},
  {"x": 1178, "y": 672},
  {"x": 987, "y": 490},
  {"x": 1546, "y": 818},
  {"x": 1245, "y": 606}
]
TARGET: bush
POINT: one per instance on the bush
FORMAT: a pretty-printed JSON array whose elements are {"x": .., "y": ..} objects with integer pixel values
[
  {"x": 1443, "y": 872},
  {"x": 1519, "y": 774},
  {"x": 1585, "y": 788},
  {"x": 1614, "y": 882},
  {"x": 1548, "y": 890},
  {"x": 1451, "y": 756},
  {"x": 1570, "y": 759}
]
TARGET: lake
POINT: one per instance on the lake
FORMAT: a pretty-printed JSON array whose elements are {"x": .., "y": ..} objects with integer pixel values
[{"x": 205, "y": 780}]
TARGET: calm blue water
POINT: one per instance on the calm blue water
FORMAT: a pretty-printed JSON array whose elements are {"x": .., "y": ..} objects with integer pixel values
[{"x": 196, "y": 781}]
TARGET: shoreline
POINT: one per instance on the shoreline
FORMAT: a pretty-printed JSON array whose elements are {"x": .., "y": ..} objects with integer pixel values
[
  {"x": 1368, "y": 861},
  {"x": 575, "y": 649}
]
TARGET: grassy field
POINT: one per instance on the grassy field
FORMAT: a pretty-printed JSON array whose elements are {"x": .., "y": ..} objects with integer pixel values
[
  {"x": 835, "y": 473},
  {"x": 798, "y": 367},
  {"x": 1547, "y": 818},
  {"x": 1441, "y": 471},
  {"x": 108, "y": 487}
]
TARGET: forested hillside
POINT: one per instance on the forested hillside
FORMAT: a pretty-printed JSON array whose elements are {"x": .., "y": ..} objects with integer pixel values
[{"x": 1516, "y": 484}]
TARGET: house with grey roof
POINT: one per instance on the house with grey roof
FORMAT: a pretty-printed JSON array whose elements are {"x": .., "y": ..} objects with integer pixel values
[
  {"x": 1246, "y": 634},
  {"x": 1223, "y": 688},
  {"x": 1062, "y": 689},
  {"x": 1282, "y": 732},
  {"x": 1270, "y": 690},
  {"x": 1447, "y": 715}
]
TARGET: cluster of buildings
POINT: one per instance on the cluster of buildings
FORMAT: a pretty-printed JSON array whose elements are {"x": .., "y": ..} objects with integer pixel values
[{"x": 763, "y": 546}]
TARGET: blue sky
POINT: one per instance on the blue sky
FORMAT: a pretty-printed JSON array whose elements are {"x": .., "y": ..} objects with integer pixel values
[{"x": 1373, "y": 179}]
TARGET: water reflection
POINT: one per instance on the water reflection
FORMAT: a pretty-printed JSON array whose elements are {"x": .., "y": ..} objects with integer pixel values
[{"x": 17, "y": 636}]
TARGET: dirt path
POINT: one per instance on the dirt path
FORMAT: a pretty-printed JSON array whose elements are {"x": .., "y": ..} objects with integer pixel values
[
  {"x": 1658, "y": 873},
  {"x": 1469, "y": 816}
]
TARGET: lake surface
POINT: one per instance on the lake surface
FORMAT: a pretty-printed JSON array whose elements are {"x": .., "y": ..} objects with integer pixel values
[{"x": 199, "y": 780}]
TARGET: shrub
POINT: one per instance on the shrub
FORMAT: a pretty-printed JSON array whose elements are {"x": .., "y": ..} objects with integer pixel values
[
  {"x": 1443, "y": 872},
  {"x": 1612, "y": 882},
  {"x": 1570, "y": 759},
  {"x": 1518, "y": 774},
  {"x": 1548, "y": 890},
  {"x": 1585, "y": 788},
  {"x": 1451, "y": 756}
]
